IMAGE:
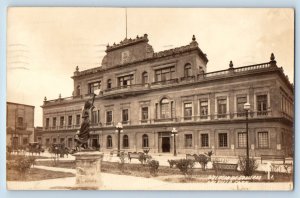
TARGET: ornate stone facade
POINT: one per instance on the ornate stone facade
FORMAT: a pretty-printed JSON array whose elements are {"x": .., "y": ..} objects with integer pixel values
[{"x": 152, "y": 92}]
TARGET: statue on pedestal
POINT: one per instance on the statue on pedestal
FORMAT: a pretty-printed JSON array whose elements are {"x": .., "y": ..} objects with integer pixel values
[{"x": 83, "y": 135}]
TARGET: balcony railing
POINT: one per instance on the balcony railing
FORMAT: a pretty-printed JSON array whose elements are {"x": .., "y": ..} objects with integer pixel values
[{"x": 165, "y": 82}]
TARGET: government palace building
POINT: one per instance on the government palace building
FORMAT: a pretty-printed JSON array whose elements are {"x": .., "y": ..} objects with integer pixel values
[{"x": 151, "y": 93}]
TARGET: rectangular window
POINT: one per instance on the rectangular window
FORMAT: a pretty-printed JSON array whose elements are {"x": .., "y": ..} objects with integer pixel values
[
  {"x": 125, "y": 81},
  {"x": 108, "y": 117},
  {"x": 222, "y": 107},
  {"x": 204, "y": 140},
  {"x": 263, "y": 139},
  {"x": 242, "y": 140},
  {"x": 188, "y": 111},
  {"x": 94, "y": 117},
  {"x": 69, "y": 120},
  {"x": 47, "y": 123},
  {"x": 125, "y": 117},
  {"x": 240, "y": 101},
  {"x": 188, "y": 140},
  {"x": 262, "y": 103},
  {"x": 54, "y": 140},
  {"x": 62, "y": 140},
  {"x": 203, "y": 109},
  {"x": 223, "y": 140},
  {"x": 94, "y": 86},
  {"x": 164, "y": 74},
  {"x": 77, "y": 119},
  {"x": 144, "y": 113},
  {"x": 62, "y": 120},
  {"x": 54, "y": 122}
]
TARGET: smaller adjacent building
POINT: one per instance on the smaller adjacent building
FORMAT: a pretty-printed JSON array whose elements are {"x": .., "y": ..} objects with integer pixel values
[{"x": 19, "y": 124}]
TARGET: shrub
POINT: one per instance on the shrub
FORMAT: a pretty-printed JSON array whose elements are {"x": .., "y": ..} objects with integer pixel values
[
  {"x": 21, "y": 164},
  {"x": 185, "y": 166},
  {"x": 143, "y": 158},
  {"x": 172, "y": 163},
  {"x": 243, "y": 166},
  {"x": 153, "y": 166}
]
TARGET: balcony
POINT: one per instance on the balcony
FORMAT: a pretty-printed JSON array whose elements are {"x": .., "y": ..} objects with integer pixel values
[{"x": 127, "y": 90}]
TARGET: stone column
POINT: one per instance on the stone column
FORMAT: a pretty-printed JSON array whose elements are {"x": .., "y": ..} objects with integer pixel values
[{"x": 88, "y": 170}]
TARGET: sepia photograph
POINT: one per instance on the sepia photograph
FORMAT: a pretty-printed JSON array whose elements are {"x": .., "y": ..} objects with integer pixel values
[{"x": 103, "y": 98}]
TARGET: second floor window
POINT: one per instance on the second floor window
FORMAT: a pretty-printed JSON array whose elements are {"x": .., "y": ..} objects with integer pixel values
[
  {"x": 222, "y": 109},
  {"x": 125, "y": 81},
  {"x": 187, "y": 111},
  {"x": 144, "y": 78},
  {"x": 94, "y": 117},
  {"x": 187, "y": 70},
  {"x": 240, "y": 101},
  {"x": 109, "y": 117},
  {"x": 54, "y": 122},
  {"x": 164, "y": 108},
  {"x": 70, "y": 121},
  {"x": 125, "y": 116},
  {"x": 77, "y": 119},
  {"x": 109, "y": 84},
  {"x": 47, "y": 122},
  {"x": 164, "y": 74},
  {"x": 20, "y": 121},
  {"x": 262, "y": 103},
  {"x": 144, "y": 113},
  {"x": 62, "y": 120},
  {"x": 94, "y": 86},
  {"x": 203, "y": 109}
]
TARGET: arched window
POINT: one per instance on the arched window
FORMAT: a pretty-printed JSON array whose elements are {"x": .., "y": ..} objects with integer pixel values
[
  {"x": 78, "y": 90},
  {"x": 164, "y": 108},
  {"x": 144, "y": 78},
  {"x": 125, "y": 141},
  {"x": 187, "y": 70},
  {"x": 145, "y": 141},
  {"x": 109, "y": 142},
  {"x": 109, "y": 84}
]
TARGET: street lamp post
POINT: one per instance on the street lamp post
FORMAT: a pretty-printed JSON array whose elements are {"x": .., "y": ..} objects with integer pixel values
[
  {"x": 119, "y": 128},
  {"x": 174, "y": 133},
  {"x": 247, "y": 108}
]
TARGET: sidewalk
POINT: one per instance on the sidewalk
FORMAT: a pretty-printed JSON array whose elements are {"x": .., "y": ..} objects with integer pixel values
[{"x": 124, "y": 182}]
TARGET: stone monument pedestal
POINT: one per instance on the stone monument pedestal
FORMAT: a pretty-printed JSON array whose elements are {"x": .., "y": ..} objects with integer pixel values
[{"x": 88, "y": 170}]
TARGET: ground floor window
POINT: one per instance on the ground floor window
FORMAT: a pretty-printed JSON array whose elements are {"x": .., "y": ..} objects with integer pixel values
[
  {"x": 109, "y": 142},
  {"x": 242, "y": 140},
  {"x": 125, "y": 141},
  {"x": 204, "y": 140},
  {"x": 145, "y": 141},
  {"x": 25, "y": 141},
  {"x": 188, "y": 140},
  {"x": 223, "y": 140},
  {"x": 263, "y": 139}
]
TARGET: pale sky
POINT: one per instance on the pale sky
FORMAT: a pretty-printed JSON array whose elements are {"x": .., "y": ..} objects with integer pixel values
[{"x": 44, "y": 45}]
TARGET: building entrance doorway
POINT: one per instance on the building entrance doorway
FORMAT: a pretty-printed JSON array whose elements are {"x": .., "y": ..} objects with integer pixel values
[
  {"x": 165, "y": 144},
  {"x": 95, "y": 143}
]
